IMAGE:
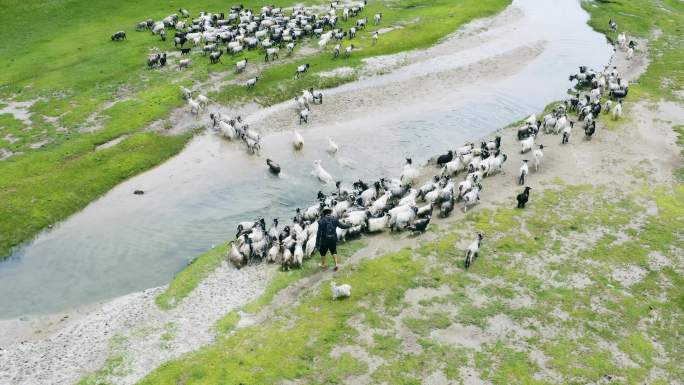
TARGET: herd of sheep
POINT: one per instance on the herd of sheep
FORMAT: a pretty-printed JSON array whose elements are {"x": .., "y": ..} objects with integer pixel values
[
  {"x": 403, "y": 203},
  {"x": 270, "y": 30},
  {"x": 395, "y": 204}
]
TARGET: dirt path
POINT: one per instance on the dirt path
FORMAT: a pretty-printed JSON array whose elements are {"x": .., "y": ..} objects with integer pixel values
[{"x": 61, "y": 349}]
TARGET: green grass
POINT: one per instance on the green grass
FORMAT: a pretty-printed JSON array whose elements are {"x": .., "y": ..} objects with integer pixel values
[
  {"x": 296, "y": 342},
  {"x": 69, "y": 65},
  {"x": 641, "y": 18}
]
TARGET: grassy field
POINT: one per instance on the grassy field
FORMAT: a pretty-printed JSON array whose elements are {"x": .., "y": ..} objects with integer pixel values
[
  {"x": 404, "y": 304},
  {"x": 80, "y": 81}
]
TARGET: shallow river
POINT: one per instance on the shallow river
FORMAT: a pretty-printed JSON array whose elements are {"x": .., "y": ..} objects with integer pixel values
[{"x": 123, "y": 242}]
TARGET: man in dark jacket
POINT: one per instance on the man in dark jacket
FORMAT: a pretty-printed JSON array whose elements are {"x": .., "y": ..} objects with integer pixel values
[{"x": 326, "y": 238}]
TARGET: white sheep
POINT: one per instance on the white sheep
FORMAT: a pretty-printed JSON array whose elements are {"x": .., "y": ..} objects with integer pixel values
[
  {"x": 617, "y": 110},
  {"x": 298, "y": 141},
  {"x": 473, "y": 249},
  {"x": 527, "y": 144},
  {"x": 471, "y": 198},
  {"x": 195, "y": 107},
  {"x": 538, "y": 155},
  {"x": 524, "y": 170},
  {"x": 332, "y": 146},
  {"x": 409, "y": 174},
  {"x": 226, "y": 130},
  {"x": 342, "y": 291},
  {"x": 375, "y": 225},
  {"x": 320, "y": 173},
  {"x": 241, "y": 65},
  {"x": 203, "y": 100}
]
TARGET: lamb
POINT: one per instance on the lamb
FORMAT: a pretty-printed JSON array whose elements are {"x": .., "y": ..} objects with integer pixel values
[
  {"x": 377, "y": 18},
  {"x": 342, "y": 291},
  {"x": 473, "y": 249}
]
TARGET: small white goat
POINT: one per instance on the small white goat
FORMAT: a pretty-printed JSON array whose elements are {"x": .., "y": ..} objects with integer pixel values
[{"x": 342, "y": 291}]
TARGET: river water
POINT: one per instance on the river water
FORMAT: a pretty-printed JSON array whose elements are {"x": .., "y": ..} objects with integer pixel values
[{"x": 123, "y": 242}]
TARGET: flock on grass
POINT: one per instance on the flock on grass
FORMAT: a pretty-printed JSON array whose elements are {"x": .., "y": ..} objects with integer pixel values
[
  {"x": 269, "y": 30},
  {"x": 369, "y": 207}
]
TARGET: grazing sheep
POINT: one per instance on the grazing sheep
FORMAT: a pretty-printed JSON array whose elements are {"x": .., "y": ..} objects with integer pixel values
[
  {"x": 185, "y": 63},
  {"x": 215, "y": 57},
  {"x": 348, "y": 50},
  {"x": 252, "y": 82},
  {"x": 119, "y": 35},
  {"x": 241, "y": 65},
  {"x": 301, "y": 70},
  {"x": 473, "y": 249},
  {"x": 523, "y": 197},
  {"x": 342, "y": 291}
]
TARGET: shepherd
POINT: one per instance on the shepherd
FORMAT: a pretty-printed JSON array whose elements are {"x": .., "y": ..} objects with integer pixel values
[{"x": 326, "y": 238}]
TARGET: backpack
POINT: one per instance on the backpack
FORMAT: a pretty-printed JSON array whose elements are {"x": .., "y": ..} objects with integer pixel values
[{"x": 329, "y": 230}]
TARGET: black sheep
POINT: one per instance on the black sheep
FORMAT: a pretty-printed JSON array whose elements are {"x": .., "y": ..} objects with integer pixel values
[
  {"x": 446, "y": 158},
  {"x": 524, "y": 197},
  {"x": 273, "y": 166},
  {"x": 420, "y": 225}
]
